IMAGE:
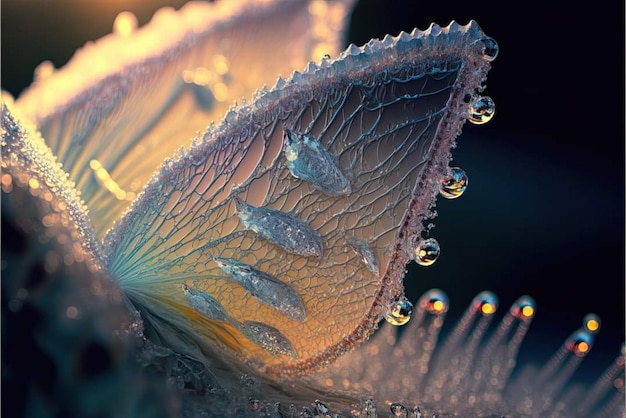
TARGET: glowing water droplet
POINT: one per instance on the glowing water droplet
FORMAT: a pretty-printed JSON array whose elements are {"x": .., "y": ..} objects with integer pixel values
[
  {"x": 268, "y": 338},
  {"x": 205, "y": 304},
  {"x": 486, "y": 303},
  {"x": 265, "y": 288},
  {"x": 454, "y": 186},
  {"x": 280, "y": 228},
  {"x": 427, "y": 252},
  {"x": 591, "y": 323},
  {"x": 125, "y": 24},
  {"x": 580, "y": 342},
  {"x": 481, "y": 110},
  {"x": 524, "y": 308},
  {"x": 367, "y": 255},
  {"x": 491, "y": 48},
  {"x": 434, "y": 302},
  {"x": 399, "y": 410},
  {"x": 308, "y": 160},
  {"x": 399, "y": 313}
]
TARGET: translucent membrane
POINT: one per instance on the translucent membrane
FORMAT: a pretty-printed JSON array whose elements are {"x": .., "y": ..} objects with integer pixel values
[
  {"x": 380, "y": 118},
  {"x": 132, "y": 98}
]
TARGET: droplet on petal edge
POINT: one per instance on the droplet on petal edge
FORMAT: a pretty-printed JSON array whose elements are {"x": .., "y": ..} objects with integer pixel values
[{"x": 186, "y": 214}]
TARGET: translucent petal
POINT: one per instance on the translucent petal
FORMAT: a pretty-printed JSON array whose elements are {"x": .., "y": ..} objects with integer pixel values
[
  {"x": 128, "y": 102},
  {"x": 388, "y": 114}
]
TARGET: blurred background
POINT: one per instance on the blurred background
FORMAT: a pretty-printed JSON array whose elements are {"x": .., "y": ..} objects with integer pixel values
[{"x": 544, "y": 211}]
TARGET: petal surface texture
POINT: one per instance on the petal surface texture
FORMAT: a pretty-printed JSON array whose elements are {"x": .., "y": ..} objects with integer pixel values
[{"x": 385, "y": 115}]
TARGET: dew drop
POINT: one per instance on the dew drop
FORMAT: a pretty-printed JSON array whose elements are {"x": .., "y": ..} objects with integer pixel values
[
  {"x": 455, "y": 185},
  {"x": 434, "y": 302},
  {"x": 580, "y": 342},
  {"x": 308, "y": 160},
  {"x": 281, "y": 228},
  {"x": 481, "y": 110},
  {"x": 125, "y": 24},
  {"x": 265, "y": 288},
  {"x": 524, "y": 308},
  {"x": 367, "y": 255},
  {"x": 486, "y": 303},
  {"x": 268, "y": 338},
  {"x": 204, "y": 304},
  {"x": 427, "y": 252},
  {"x": 591, "y": 323},
  {"x": 399, "y": 410},
  {"x": 491, "y": 48},
  {"x": 399, "y": 312}
]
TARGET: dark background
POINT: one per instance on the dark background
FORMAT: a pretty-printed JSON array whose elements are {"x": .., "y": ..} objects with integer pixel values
[{"x": 544, "y": 212}]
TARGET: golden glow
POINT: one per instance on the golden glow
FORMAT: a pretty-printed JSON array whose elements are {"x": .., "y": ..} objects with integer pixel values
[
  {"x": 528, "y": 311},
  {"x": 200, "y": 76},
  {"x": 104, "y": 178},
  {"x": 220, "y": 92},
  {"x": 320, "y": 50},
  {"x": 593, "y": 325},
  {"x": 488, "y": 308},
  {"x": 582, "y": 347},
  {"x": 7, "y": 179},
  {"x": 125, "y": 24},
  {"x": 33, "y": 183},
  {"x": 318, "y": 8},
  {"x": 44, "y": 70},
  {"x": 438, "y": 306},
  {"x": 221, "y": 64}
]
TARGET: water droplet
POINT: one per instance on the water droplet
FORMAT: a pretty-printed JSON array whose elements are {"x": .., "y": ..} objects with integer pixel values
[
  {"x": 486, "y": 303},
  {"x": 268, "y": 338},
  {"x": 454, "y": 186},
  {"x": 265, "y": 288},
  {"x": 399, "y": 313},
  {"x": 125, "y": 23},
  {"x": 580, "y": 342},
  {"x": 427, "y": 252},
  {"x": 491, "y": 48},
  {"x": 367, "y": 255},
  {"x": 524, "y": 308},
  {"x": 399, "y": 410},
  {"x": 205, "y": 304},
  {"x": 308, "y": 160},
  {"x": 280, "y": 228},
  {"x": 434, "y": 302},
  {"x": 591, "y": 323},
  {"x": 481, "y": 110}
]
